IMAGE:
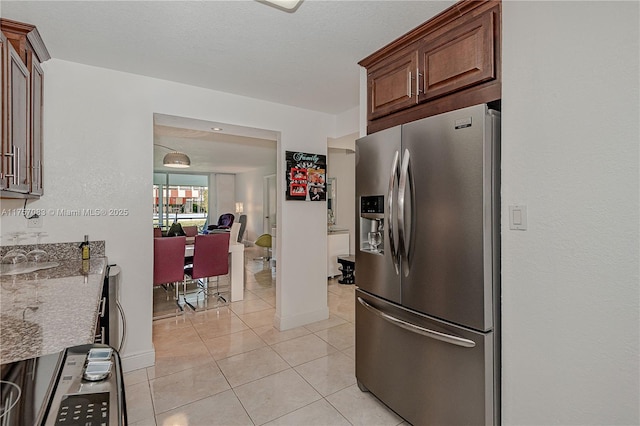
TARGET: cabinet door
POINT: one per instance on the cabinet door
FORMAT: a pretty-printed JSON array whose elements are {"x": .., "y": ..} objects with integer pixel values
[
  {"x": 18, "y": 106},
  {"x": 462, "y": 57},
  {"x": 392, "y": 84},
  {"x": 37, "y": 80}
]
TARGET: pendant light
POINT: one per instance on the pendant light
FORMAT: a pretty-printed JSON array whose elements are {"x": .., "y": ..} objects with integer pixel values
[{"x": 175, "y": 159}]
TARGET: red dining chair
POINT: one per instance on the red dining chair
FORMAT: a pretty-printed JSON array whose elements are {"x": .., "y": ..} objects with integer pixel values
[
  {"x": 168, "y": 263},
  {"x": 190, "y": 230},
  {"x": 157, "y": 232},
  {"x": 210, "y": 259}
]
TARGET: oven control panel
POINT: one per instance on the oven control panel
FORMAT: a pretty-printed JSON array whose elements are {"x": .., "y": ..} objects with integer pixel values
[
  {"x": 89, "y": 389},
  {"x": 84, "y": 409}
]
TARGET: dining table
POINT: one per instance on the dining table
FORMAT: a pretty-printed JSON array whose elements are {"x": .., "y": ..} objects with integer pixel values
[{"x": 236, "y": 268}]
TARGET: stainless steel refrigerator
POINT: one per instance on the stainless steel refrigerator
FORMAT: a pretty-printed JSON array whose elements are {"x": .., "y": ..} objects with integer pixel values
[{"x": 428, "y": 268}]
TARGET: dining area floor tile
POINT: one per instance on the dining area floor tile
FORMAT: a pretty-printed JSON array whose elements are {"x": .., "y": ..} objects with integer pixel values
[{"x": 228, "y": 365}]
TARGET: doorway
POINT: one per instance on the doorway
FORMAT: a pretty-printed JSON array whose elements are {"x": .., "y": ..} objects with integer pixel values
[
  {"x": 269, "y": 204},
  {"x": 245, "y": 157},
  {"x": 269, "y": 211}
]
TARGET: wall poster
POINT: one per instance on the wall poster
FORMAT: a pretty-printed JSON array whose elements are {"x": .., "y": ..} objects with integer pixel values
[{"x": 306, "y": 176}]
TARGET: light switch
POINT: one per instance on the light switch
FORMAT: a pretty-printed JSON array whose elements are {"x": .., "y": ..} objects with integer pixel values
[{"x": 518, "y": 217}]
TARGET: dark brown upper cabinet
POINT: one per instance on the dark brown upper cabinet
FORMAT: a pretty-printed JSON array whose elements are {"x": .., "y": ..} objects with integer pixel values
[
  {"x": 21, "y": 53},
  {"x": 449, "y": 62},
  {"x": 392, "y": 84}
]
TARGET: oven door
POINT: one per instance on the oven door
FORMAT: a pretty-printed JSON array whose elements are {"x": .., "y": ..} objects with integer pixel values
[{"x": 25, "y": 389}]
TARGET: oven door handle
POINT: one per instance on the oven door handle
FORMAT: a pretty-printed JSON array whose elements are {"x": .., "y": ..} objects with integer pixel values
[
  {"x": 11, "y": 398},
  {"x": 448, "y": 338}
]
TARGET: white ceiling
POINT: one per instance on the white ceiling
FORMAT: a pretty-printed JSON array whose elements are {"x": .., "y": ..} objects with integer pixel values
[
  {"x": 306, "y": 59},
  {"x": 234, "y": 149}
]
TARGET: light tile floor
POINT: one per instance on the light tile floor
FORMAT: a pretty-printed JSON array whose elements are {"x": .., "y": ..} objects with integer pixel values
[{"x": 230, "y": 366}]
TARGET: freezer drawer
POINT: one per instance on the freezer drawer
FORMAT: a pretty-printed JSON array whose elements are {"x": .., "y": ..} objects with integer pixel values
[{"x": 446, "y": 377}]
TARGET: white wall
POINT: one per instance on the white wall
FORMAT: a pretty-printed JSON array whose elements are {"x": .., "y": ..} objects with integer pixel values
[
  {"x": 341, "y": 164},
  {"x": 570, "y": 153},
  {"x": 348, "y": 122},
  {"x": 224, "y": 194},
  {"x": 98, "y": 134},
  {"x": 249, "y": 190}
]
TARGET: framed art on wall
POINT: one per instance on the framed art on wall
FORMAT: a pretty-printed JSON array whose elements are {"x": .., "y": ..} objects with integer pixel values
[{"x": 306, "y": 176}]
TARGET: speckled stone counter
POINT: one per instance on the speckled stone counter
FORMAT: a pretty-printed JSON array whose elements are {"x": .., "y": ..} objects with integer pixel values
[
  {"x": 49, "y": 310},
  {"x": 58, "y": 251}
]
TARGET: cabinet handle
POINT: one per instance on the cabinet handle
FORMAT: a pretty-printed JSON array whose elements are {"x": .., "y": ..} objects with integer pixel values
[
  {"x": 100, "y": 338},
  {"x": 103, "y": 303},
  {"x": 38, "y": 177},
  {"x": 16, "y": 166},
  {"x": 410, "y": 84},
  {"x": 10, "y": 175},
  {"x": 15, "y": 170},
  {"x": 15, "y": 155},
  {"x": 35, "y": 175}
]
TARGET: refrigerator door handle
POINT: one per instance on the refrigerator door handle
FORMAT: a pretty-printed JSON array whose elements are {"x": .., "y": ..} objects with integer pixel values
[
  {"x": 390, "y": 205},
  {"x": 405, "y": 175},
  {"x": 448, "y": 338}
]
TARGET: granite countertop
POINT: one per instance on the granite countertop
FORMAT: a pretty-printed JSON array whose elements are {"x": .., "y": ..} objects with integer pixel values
[{"x": 46, "y": 311}]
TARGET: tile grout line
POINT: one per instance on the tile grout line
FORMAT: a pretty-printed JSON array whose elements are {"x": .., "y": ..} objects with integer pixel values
[{"x": 344, "y": 319}]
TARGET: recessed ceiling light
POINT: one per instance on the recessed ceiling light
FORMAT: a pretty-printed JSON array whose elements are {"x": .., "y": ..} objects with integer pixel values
[{"x": 216, "y": 129}]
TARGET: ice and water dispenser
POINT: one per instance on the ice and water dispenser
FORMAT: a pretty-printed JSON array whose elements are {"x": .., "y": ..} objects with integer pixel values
[{"x": 372, "y": 224}]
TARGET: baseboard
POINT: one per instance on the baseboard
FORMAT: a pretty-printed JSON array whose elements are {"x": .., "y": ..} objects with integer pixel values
[
  {"x": 301, "y": 319},
  {"x": 138, "y": 360}
]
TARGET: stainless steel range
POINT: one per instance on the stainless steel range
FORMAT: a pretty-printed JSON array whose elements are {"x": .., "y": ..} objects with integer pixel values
[{"x": 81, "y": 385}]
